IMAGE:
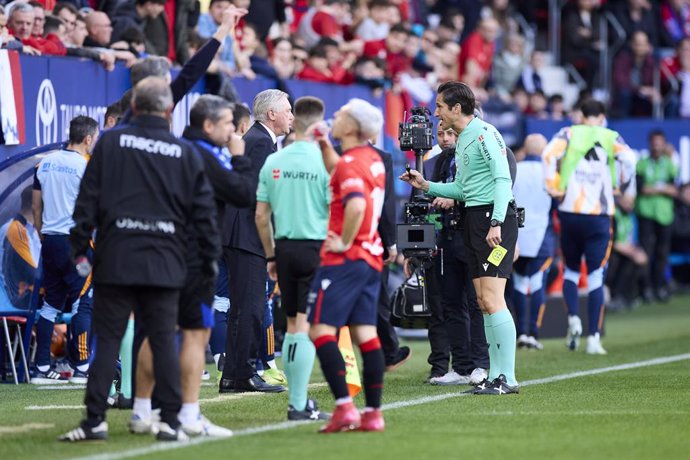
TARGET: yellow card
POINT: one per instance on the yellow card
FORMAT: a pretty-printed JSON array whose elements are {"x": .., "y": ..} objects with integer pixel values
[{"x": 497, "y": 255}]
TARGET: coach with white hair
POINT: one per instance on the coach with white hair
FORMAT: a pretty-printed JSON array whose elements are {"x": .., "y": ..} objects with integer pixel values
[{"x": 244, "y": 254}]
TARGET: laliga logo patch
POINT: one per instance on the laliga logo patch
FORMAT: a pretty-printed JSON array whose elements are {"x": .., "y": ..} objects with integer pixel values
[
  {"x": 276, "y": 174},
  {"x": 46, "y": 114}
]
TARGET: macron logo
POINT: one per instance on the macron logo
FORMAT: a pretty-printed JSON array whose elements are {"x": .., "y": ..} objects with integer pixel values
[
  {"x": 324, "y": 284},
  {"x": 486, "y": 266},
  {"x": 150, "y": 145}
]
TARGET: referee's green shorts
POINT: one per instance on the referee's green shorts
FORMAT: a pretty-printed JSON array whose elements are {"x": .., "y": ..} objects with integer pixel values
[{"x": 477, "y": 223}]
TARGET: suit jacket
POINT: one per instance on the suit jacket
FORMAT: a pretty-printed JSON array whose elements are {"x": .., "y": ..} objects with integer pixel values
[
  {"x": 239, "y": 229},
  {"x": 387, "y": 224}
]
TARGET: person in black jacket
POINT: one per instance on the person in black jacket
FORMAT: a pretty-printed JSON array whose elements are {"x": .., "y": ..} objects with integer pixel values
[
  {"x": 211, "y": 129},
  {"x": 244, "y": 253},
  {"x": 143, "y": 192},
  {"x": 394, "y": 354}
]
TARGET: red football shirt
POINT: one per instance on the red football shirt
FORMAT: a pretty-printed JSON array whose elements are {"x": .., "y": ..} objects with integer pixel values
[
  {"x": 474, "y": 47},
  {"x": 359, "y": 173}
]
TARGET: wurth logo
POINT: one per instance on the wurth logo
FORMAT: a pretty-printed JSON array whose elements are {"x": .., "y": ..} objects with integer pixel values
[{"x": 276, "y": 174}]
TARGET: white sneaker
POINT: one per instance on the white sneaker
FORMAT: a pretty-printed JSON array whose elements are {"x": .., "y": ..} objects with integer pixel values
[
  {"x": 203, "y": 427},
  {"x": 478, "y": 375},
  {"x": 572, "y": 340},
  {"x": 143, "y": 425},
  {"x": 205, "y": 375},
  {"x": 534, "y": 344},
  {"x": 167, "y": 433},
  {"x": 451, "y": 378},
  {"x": 523, "y": 341},
  {"x": 594, "y": 345}
]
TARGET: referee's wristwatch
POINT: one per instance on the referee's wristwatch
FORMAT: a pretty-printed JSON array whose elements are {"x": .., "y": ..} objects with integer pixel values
[{"x": 496, "y": 223}]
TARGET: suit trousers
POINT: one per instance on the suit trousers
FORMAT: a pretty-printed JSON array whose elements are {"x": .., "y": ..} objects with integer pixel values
[{"x": 247, "y": 283}]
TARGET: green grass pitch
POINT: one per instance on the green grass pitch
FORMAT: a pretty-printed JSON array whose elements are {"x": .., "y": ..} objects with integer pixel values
[{"x": 641, "y": 412}]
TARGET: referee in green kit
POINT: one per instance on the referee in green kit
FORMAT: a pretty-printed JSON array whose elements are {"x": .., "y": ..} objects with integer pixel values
[
  {"x": 294, "y": 188},
  {"x": 490, "y": 232}
]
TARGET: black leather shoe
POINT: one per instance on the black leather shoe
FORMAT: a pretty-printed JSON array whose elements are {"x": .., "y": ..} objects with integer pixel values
[
  {"x": 256, "y": 383},
  {"x": 226, "y": 386}
]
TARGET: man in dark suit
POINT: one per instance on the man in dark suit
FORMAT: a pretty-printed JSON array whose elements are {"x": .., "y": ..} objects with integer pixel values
[
  {"x": 394, "y": 354},
  {"x": 244, "y": 254}
]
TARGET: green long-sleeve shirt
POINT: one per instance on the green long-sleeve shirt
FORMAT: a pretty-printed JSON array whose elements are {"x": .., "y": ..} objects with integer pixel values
[{"x": 483, "y": 175}]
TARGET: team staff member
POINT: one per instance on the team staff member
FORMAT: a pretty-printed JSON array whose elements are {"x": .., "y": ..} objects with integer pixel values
[
  {"x": 293, "y": 188},
  {"x": 56, "y": 185},
  {"x": 146, "y": 195},
  {"x": 656, "y": 177},
  {"x": 536, "y": 241},
  {"x": 211, "y": 129},
  {"x": 346, "y": 287},
  {"x": 483, "y": 182},
  {"x": 244, "y": 254},
  {"x": 582, "y": 170}
]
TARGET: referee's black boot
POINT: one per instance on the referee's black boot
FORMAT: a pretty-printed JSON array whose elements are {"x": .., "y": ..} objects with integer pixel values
[
  {"x": 256, "y": 383},
  {"x": 226, "y": 386}
]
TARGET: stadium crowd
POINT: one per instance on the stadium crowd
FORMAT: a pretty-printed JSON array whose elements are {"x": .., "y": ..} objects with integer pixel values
[
  {"x": 497, "y": 46},
  {"x": 416, "y": 48}
]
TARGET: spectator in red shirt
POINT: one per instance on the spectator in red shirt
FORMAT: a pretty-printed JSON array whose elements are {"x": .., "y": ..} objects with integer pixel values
[
  {"x": 21, "y": 21},
  {"x": 392, "y": 50},
  {"x": 21, "y": 24},
  {"x": 477, "y": 54},
  {"x": 324, "y": 21},
  {"x": 317, "y": 69},
  {"x": 39, "y": 19}
]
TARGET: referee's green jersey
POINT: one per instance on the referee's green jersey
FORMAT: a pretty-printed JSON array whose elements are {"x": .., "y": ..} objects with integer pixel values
[
  {"x": 483, "y": 175},
  {"x": 295, "y": 183}
]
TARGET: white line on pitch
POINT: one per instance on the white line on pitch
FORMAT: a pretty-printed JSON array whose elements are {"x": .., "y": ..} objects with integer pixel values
[
  {"x": 60, "y": 387},
  {"x": 54, "y": 407},
  {"x": 212, "y": 400},
  {"x": 160, "y": 447}
]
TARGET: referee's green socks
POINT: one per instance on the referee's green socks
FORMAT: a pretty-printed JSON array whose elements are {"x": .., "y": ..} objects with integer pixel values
[
  {"x": 505, "y": 336},
  {"x": 126, "y": 362},
  {"x": 298, "y": 361},
  {"x": 494, "y": 358}
]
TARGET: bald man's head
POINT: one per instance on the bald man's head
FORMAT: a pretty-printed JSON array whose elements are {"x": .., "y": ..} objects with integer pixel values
[
  {"x": 152, "y": 95},
  {"x": 99, "y": 27},
  {"x": 535, "y": 144}
]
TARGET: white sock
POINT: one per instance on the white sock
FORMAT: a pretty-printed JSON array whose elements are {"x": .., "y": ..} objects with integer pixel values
[
  {"x": 369, "y": 409},
  {"x": 216, "y": 358},
  {"x": 43, "y": 368},
  {"x": 142, "y": 407},
  {"x": 83, "y": 368},
  {"x": 272, "y": 364},
  {"x": 341, "y": 401},
  {"x": 189, "y": 413}
]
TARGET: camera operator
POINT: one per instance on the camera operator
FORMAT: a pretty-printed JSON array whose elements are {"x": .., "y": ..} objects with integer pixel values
[
  {"x": 490, "y": 232},
  {"x": 456, "y": 326}
]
